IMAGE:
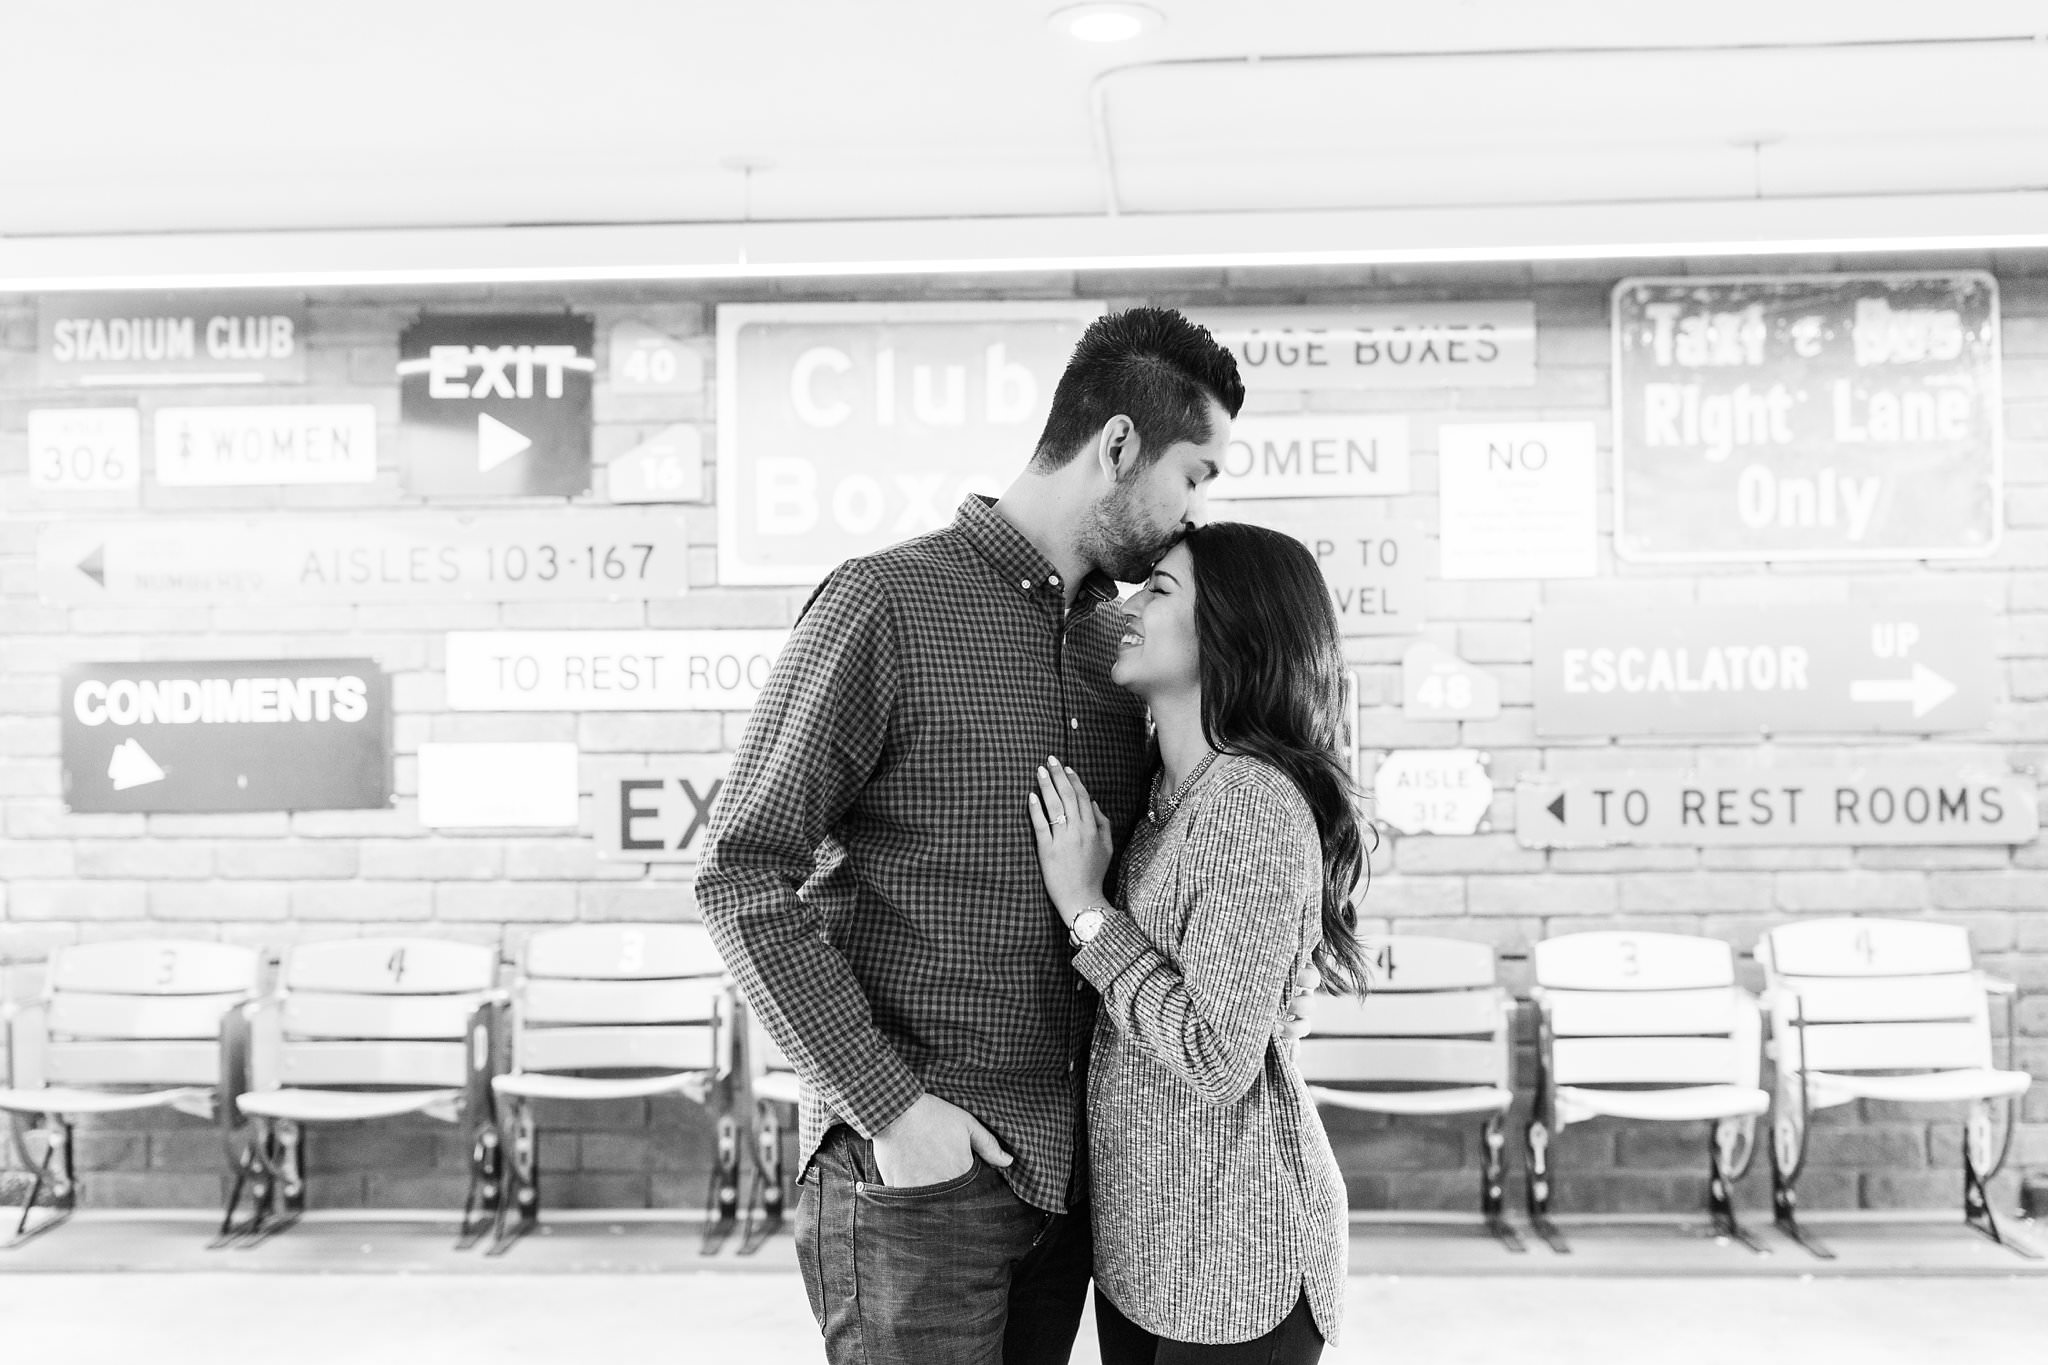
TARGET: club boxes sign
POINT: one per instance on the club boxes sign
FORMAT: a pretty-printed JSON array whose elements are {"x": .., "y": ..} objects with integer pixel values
[
  {"x": 660, "y": 814},
  {"x": 1405, "y": 346},
  {"x": 1372, "y": 561},
  {"x": 1914, "y": 668},
  {"x": 846, "y": 427},
  {"x": 585, "y": 555},
  {"x": 143, "y": 340},
  {"x": 1820, "y": 417},
  {"x": 497, "y": 405},
  {"x": 609, "y": 670},
  {"x": 227, "y": 735},
  {"x": 1433, "y": 791},
  {"x": 1890, "y": 803},
  {"x": 211, "y": 447}
]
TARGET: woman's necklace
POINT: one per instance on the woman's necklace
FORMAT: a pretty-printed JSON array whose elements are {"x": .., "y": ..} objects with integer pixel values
[{"x": 1159, "y": 816}]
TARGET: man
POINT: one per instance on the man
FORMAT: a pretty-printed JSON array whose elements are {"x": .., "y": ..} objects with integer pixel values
[{"x": 872, "y": 880}]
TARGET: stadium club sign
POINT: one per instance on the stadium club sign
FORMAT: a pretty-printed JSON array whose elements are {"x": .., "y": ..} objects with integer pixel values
[
  {"x": 227, "y": 735},
  {"x": 143, "y": 340}
]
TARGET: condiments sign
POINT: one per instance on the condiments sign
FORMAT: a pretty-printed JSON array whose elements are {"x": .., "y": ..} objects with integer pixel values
[
  {"x": 144, "y": 340},
  {"x": 1821, "y": 417}
]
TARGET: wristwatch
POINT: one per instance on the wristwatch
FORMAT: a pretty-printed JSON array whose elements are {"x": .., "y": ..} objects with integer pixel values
[{"x": 1086, "y": 926}]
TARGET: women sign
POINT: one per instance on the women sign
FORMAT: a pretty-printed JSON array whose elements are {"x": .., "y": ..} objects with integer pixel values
[
  {"x": 845, "y": 427},
  {"x": 1818, "y": 417}
]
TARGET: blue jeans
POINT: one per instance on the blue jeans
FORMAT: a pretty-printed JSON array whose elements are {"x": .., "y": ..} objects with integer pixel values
[{"x": 958, "y": 1273}]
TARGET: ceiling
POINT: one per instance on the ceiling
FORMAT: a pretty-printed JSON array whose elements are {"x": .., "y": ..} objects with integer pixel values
[{"x": 211, "y": 116}]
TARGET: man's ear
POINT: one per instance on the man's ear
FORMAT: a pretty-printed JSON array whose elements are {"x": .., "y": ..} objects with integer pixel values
[{"x": 1116, "y": 449}]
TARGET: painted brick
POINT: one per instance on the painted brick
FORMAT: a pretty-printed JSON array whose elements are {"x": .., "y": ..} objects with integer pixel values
[
  {"x": 76, "y": 900},
  {"x": 1588, "y": 894},
  {"x": 431, "y": 859},
  {"x": 305, "y": 858},
  {"x": 1423, "y": 853},
  {"x": 219, "y": 900},
  {"x": 499, "y": 901},
  {"x": 639, "y": 732},
  {"x": 144, "y": 858},
  {"x": 1846, "y": 891},
  {"x": 1696, "y": 892},
  {"x": 1415, "y": 897}
]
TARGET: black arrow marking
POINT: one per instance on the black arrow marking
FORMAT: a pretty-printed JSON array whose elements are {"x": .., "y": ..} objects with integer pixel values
[
  {"x": 94, "y": 565},
  {"x": 1557, "y": 808}
]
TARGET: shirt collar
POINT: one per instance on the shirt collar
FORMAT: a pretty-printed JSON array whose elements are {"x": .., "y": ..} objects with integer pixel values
[{"x": 1015, "y": 559}]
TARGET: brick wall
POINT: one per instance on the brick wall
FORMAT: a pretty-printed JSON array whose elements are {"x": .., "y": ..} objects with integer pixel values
[{"x": 275, "y": 879}]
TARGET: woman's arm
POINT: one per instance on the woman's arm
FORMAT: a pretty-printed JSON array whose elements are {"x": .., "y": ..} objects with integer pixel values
[{"x": 1210, "y": 1019}]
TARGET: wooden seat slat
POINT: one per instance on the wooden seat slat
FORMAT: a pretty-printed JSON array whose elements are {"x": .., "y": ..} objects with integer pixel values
[
  {"x": 1422, "y": 962},
  {"x": 1885, "y": 999},
  {"x": 680, "y": 1047},
  {"x": 1417, "y": 1060},
  {"x": 371, "y": 1063},
  {"x": 154, "y": 967},
  {"x": 1447, "y": 1013},
  {"x": 327, "y": 1014},
  {"x": 1866, "y": 947},
  {"x": 391, "y": 966},
  {"x": 132, "y": 1063},
  {"x": 85, "y": 1015},
  {"x": 1649, "y": 1061},
  {"x": 544, "y": 1000},
  {"x": 622, "y": 952},
  {"x": 1615, "y": 961},
  {"x": 1946, "y": 1046},
  {"x": 1711, "y": 1010}
]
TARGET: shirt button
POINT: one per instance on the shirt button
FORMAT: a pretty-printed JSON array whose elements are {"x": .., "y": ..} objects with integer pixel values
[
  {"x": 1054, "y": 580},
  {"x": 1024, "y": 583},
  {"x": 1073, "y": 722}
]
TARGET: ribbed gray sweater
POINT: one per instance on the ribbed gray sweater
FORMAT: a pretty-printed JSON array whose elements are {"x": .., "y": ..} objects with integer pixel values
[{"x": 1217, "y": 1200}]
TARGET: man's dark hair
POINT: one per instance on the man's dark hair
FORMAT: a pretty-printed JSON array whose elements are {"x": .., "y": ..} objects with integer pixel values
[{"x": 1153, "y": 366}]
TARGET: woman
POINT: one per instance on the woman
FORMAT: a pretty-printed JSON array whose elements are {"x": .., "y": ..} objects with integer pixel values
[{"x": 1220, "y": 1227}]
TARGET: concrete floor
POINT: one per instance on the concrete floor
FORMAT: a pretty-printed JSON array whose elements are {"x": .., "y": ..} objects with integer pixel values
[{"x": 138, "y": 1290}]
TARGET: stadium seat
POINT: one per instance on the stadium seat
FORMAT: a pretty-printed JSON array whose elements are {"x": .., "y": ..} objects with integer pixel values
[
  {"x": 609, "y": 1012},
  {"x": 1434, "y": 1037},
  {"x": 119, "y": 1027},
  {"x": 359, "y": 1029},
  {"x": 775, "y": 1091},
  {"x": 1648, "y": 1027},
  {"x": 1877, "y": 1009}
]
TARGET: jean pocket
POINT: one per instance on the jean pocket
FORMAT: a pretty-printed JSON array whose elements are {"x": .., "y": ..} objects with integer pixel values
[{"x": 895, "y": 1194}]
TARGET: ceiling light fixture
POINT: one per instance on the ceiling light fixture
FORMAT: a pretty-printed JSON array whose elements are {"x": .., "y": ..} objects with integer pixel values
[{"x": 1106, "y": 21}]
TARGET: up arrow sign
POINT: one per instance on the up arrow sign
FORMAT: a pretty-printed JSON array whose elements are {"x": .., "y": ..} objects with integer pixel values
[
  {"x": 132, "y": 767},
  {"x": 496, "y": 443},
  {"x": 1926, "y": 689}
]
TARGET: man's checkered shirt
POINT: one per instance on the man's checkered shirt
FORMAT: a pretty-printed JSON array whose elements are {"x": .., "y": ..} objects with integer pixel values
[{"x": 871, "y": 876}]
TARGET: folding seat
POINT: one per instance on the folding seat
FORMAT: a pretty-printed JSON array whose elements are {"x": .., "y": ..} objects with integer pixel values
[
  {"x": 1434, "y": 1037},
  {"x": 1877, "y": 1009},
  {"x": 359, "y": 1030},
  {"x": 120, "y": 1027},
  {"x": 1648, "y": 1027},
  {"x": 775, "y": 1091},
  {"x": 610, "y": 1012}
]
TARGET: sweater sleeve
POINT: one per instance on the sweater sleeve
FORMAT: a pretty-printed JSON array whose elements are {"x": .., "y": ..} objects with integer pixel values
[{"x": 1209, "y": 1018}]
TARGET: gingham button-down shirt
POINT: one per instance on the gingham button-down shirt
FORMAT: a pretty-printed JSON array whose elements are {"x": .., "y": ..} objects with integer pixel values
[{"x": 871, "y": 876}]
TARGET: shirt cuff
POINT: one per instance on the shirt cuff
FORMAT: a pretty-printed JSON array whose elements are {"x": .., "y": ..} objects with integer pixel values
[
  {"x": 881, "y": 1101},
  {"x": 1116, "y": 948}
]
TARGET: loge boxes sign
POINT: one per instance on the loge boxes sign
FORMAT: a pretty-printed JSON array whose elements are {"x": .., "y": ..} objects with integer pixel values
[
  {"x": 497, "y": 406},
  {"x": 845, "y": 427},
  {"x": 227, "y": 735},
  {"x": 1833, "y": 417}
]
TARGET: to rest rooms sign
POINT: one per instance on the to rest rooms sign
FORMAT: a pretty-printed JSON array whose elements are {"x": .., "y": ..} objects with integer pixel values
[{"x": 845, "y": 427}]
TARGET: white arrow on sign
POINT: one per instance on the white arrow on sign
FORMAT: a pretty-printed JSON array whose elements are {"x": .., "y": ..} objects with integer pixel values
[
  {"x": 496, "y": 443},
  {"x": 1926, "y": 689},
  {"x": 132, "y": 767}
]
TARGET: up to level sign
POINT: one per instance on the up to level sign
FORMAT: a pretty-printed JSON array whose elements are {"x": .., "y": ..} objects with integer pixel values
[
  {"x": 227, "y": 735},
  {"x": 1890, "y": 803},
  {"x": 1372, "y": 561},
  {"x": 1913, "y": 668},
  {"x": 497, "y": 405}
]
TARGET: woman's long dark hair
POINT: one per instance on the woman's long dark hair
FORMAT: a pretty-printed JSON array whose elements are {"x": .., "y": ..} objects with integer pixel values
[{"x": 1272, "y": 673}]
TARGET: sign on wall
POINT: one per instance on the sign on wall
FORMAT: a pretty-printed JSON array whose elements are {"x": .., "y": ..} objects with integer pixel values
[
  {"x": 1385, "y": 346},
  {"x": 1315, "y": 455},
  {"x": 1901, "y": 802},
  {"x": 665, "y": 466},
  {"x": 120, "y": 340},
  {"x": 647, "y": 360},
  {"x": 1817, "y": 417},
  {"x": 609, "y": 670},
  {"x": 497, "y": 405},
  {"x": 1432, "y": 791},
  {"x": 1518, "y": 500},
  {"x": 660, "y": 814},
  {"x": 85, "y": 450},
  {"x": 1913, "y": 668},
  {"x": 845, "y": 427},
  {"x": 1371, "y": 559},
  {"x": 281, "y": 444},
  {"x": 587, "y": 555},
  {"x": 227, "y": 735},
  {"x": 498, "y": 786},
  {"x": 1438, "y": 685}
]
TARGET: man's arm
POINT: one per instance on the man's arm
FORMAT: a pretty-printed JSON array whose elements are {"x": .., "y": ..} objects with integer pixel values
[{"x": 814, "y": 739}]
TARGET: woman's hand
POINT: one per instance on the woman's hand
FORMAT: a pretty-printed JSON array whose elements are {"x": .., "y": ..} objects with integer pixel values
[{"x": 1074, "y": 840}]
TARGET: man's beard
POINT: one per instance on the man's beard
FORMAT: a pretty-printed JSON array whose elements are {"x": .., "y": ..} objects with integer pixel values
[{"x": 1119, "y": 543}]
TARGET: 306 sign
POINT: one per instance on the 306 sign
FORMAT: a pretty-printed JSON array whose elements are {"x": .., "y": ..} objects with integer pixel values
[
  {"x": 661, "y": 814},
  {"x": 84, "y": 450}
]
